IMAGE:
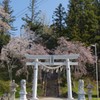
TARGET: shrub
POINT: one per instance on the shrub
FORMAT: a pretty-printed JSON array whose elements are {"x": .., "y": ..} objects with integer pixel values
[{"x": 4, "y": 86}]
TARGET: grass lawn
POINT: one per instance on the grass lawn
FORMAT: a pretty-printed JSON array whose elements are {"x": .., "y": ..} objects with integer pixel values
[{"x": 94, "y": 99}]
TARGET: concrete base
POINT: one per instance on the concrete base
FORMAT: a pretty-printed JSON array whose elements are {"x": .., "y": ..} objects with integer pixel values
[
  {"x": 23, "y": 96},
  {"x": 71, "y": 99},
  {"x": 34, "y": 99}
]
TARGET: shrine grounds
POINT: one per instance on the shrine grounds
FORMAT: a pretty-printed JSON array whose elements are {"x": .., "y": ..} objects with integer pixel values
[
  {"x": 63, "y": 89},
  {"x": 51, "y": 98}
]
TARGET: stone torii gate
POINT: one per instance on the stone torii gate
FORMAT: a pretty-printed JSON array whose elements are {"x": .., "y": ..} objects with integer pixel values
[{"x": 46, "y": 60}]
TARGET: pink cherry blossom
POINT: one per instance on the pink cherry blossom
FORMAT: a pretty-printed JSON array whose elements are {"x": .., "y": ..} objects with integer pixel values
[{"x": 67, "y": 47}]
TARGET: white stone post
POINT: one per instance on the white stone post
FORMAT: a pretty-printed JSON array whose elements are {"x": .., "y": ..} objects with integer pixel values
[
  {"x": 23, "y": 90},
  {"x": 69, "y": 80},
  {"x": 13, "y": 86},
  {"x": 35, "y": 81},
  {"x": 12, "y": 97},
  {"x": 81, "y": 92}
]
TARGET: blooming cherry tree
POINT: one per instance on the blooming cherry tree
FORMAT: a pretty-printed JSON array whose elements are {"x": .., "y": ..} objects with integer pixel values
[
  {"x": 67, "y": 47},
  {"x": 16, "y": 49}
]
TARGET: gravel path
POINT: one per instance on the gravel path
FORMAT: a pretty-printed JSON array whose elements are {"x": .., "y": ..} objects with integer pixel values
[{"x": 50, "y": 98}]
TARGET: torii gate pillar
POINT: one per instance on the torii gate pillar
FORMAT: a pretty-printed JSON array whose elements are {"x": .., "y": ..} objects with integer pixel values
[
  {"x": 35, "y": 79},
  {"x": 69, "y": 80}
]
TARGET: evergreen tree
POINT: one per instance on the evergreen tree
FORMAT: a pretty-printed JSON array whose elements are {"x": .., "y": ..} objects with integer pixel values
[
  {"x": 97, "y": 37},
  {"x": 56, "y": 30},
  {"x": 4, "y": 27},
  {"x": 7, "y": 23},
  {"x": 98, "y": 14},
  {"x": 59, "y": 16},
  {"x": 8, "y": 9},
  {"x": 82, "y": 20},
  {"x": 32, "y": 20}
]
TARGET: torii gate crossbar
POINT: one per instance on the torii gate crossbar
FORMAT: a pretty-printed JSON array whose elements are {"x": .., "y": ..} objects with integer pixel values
[{"x": 51, "y": 60}]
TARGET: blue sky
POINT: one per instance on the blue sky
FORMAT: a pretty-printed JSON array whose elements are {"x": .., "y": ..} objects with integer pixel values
[{"x": 46, "y": 6}]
